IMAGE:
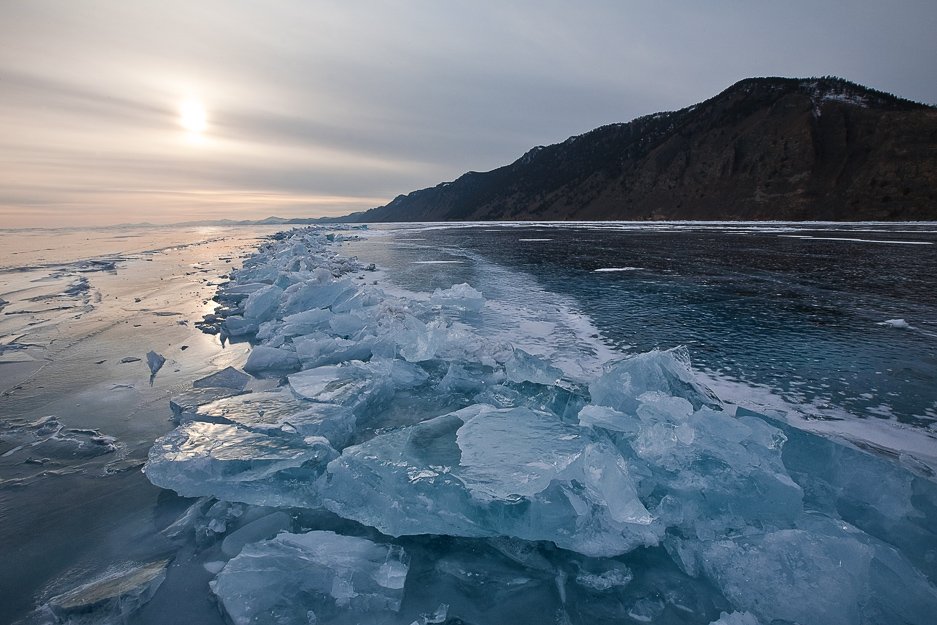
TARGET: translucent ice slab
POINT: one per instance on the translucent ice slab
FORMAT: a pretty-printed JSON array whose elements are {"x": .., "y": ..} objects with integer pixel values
[
  {"x": 482, "y": 471},
  {"x": 310, "y": 578},
  {"x": 233, "y": 463}
]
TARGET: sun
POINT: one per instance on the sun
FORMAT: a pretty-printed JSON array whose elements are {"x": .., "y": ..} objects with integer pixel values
[{"x": 192, "y": 117}]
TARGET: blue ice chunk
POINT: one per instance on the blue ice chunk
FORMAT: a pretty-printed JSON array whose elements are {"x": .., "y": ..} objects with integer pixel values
[
  {"x": 262, "y": 410},
  {"x": 714, "y": 474},
  {"x": 420, "y": 341},
  {"x": 111, "y": 598},
  {"x": 340, "y": 576},
  {"x": 229, "y": 377},
  {"x": 346, "y": 384},
  {"x": 468, "y": 379},
  {"x": 354, "y": 383},
  {"x": 459, "y": 296},
  {"x": 319, "y": 349},
  {"x": 822, "y": 572},
  {"x": 305, "y": 322},
  {"x": 189, "y": 401},
  {"x": 481, "y": 471},
  {"x": 263, "y": 359},
  {"x": 319, "y": 292},
  {"x": 866, "y": 489},
  {"x": 267, "y": 333},
  {"x": 357, "y": 299},
  {"x": 279, "y": 412},
  {"x": 238, "y": 292},
  {"x": 524, "y": 367},
  {"x": 155, "y": 362},
  {"x": 607, "y": 418},
  {"x": 263, "y": 528},
  {"x": 232, "y": 463},
  {"x": 262, "y": 303},
  {"x": 236, "y": 325},
  {"x": 667, "y": 372},
  {"x": 790, "y": 575},
  {"x": 346, "y": 324}
]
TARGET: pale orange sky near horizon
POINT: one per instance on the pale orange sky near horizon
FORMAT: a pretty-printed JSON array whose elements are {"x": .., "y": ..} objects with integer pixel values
[{"x": 325, "y": 108}]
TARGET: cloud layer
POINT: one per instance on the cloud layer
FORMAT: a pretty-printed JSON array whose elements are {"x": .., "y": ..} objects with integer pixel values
[{"x": 318, "y": 108}]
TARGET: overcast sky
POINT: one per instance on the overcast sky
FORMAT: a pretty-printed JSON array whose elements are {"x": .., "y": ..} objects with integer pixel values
[{"x": 323, "y": 108}]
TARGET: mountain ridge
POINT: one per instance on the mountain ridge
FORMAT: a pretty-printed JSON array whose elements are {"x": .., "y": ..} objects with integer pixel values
[{"x": 762, "y": 149}]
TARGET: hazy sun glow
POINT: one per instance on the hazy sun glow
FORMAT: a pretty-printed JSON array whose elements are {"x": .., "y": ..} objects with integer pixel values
[{"x": 192, "y": 116}]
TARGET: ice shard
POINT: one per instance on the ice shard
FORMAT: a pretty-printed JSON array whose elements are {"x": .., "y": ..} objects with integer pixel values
[
  {"x": 311, "y": 578},
  {"x": 483, "y": 471},
  {"x": 229, "y": 462},
  {"x": 265, "y": 360},
  {"x": 229, "y": 377},
  {"x": 111, "y": 598},
  {"x": 823, "y": 572},
  {"x": 155, "y": 362}
]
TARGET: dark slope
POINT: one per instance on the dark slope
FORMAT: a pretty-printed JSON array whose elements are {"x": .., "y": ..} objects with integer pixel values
[{"x": 765, "y": 148}]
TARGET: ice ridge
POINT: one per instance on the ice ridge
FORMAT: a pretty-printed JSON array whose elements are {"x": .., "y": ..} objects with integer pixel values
[{"x": 407, "y": 449}]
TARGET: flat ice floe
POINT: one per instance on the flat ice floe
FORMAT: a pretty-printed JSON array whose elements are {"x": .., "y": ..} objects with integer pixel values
[{"x": 454, "y": 441}]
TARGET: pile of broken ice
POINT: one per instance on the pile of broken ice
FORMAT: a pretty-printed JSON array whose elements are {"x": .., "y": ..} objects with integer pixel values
[{"x": 423, "y": 471}]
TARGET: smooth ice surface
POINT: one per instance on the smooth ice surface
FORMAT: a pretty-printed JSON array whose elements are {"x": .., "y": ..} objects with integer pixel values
[{"x": 310, "y": 578}]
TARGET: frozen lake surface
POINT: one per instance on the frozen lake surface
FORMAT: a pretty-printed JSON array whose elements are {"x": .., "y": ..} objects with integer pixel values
[
  {"x": 576, "y": 423},
  {"x": 81, "y": 310}
]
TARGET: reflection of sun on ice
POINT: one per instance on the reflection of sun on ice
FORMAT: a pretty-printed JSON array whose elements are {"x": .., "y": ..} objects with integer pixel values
[{"x": 192, "y": 116}]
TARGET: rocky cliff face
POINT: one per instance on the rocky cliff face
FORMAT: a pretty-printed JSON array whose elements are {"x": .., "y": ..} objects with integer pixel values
[{"x": 765, "y": 148}]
